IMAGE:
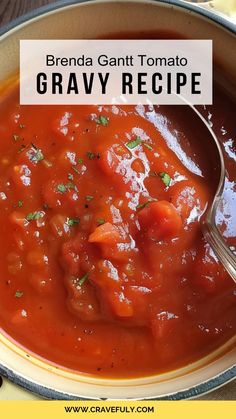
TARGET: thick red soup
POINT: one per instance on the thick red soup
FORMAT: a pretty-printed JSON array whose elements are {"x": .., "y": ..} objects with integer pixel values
[{"x": 104, "y": 268}]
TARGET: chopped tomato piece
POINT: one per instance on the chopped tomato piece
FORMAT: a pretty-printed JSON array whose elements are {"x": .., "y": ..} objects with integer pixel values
[
  {"x": 71, "y": 251},
  {"x": 120, "y": 305},
  {"x": 105, "y": 233},
  {"x": 82, "y": 299},
  {"x": 160, "y": 220},
  {"x": 18, "y": 218}
]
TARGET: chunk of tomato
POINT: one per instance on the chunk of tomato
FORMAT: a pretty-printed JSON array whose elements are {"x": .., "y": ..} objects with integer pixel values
[{"x": 160, "y": 220}]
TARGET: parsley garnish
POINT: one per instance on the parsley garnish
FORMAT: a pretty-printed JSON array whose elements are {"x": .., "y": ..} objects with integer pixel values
[
  {"x": 20, "y": 204},
  {"x": 80, "y": 161},
  {"x": 72, "y": 221},
  {"x": 144, "y": 204},
  {"x": 47, "y": 163},
  {"x": 100, "y": 221},
  {"x": 35, "y": 215},
  {"x": 166, "y": 179},
  {"x": 18, "y": 294},
  {"x": 21, "y": 148},
  {"x": 37, "y": 154},
  {"x": 134, "y": 143},
  {"x": 148, "y": 146},
  {"x": 61, "y": 188},
  {"x": 83, "y": 279},
  {"x": 91, "y": 155},
  {"x": 71, "y": 185},
  {"x": 15, "y": 137},
  {"x": 89, "y": 197},
  {"x": 75, "y": 170},
  {"x": 102, "y": 120}
]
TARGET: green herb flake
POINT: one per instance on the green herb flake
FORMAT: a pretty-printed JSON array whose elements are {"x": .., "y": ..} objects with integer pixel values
[
  {"x": 20, "y": 204},
  {"x": 80, "y": 161},
  {"x": 35, "y": 215},
  {"x": 100, "y": 221},
  {"x": 148, "y": 146},
  {"x": 91, "y": 155},
  {"x": 134, "y": 143},
  {"x": 71, "y": 185},
  {"x": 47, "y": 163},
  {"x": 18, "y": 294},
  {"x": 83, "y": 279},
  {"x": 61, "y": 188},
  {"x": 15, "y": 137},
  {"x": 102, "y": 120},
  {"x": 75, "y": 170},
  {"x": 70, "y": 176},
  {"x": 21, "y": 148},
  {"x": 154, "y": 174},
  {"x": 166, "y": 179},
  {"x": 89, "y": 197},
  {"x": 72, "y": 221},
  {"x": 37, "y": 154},
  {"x": 144, "y": 204}
]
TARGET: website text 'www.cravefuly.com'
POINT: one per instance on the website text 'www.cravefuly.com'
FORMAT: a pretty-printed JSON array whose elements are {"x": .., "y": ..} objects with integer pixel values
[{"x": 109, "y": 409}]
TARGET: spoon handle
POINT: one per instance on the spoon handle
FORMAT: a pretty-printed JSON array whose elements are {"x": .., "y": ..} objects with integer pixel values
[{"x": 222, "y": 251}]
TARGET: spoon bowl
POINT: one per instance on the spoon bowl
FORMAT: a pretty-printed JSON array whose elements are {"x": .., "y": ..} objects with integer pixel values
[
  {"x": 207, "y": 161},
  {"x": 210, "y": 230}
]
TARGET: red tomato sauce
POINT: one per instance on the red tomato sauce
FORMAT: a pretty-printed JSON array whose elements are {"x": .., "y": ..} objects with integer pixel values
[{"x": 104, "y": 269}]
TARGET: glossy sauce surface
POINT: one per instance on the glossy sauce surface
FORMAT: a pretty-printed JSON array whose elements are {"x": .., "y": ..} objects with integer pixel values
[{"x": 104, "y": 269}]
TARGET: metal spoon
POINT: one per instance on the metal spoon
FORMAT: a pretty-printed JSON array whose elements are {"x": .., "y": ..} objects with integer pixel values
[
  {"x": 209, "y": 227},
  {"x": 199, "y": 150}
]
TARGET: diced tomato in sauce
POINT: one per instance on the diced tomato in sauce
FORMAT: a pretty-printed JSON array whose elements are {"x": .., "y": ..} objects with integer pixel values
[{"x": 104, "y": 269}]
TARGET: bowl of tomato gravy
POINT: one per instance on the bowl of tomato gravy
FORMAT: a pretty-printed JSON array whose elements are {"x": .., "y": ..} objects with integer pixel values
[{"x": 108, "y": 288}]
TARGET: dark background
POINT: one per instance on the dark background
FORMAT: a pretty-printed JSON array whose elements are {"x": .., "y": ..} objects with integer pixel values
[{"x": 10, "y": 9}]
